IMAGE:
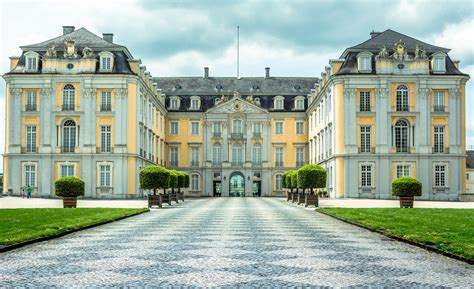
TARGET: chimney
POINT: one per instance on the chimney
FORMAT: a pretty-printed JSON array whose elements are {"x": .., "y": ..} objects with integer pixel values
[
  {"x": 267, "y": 72},
  {"x": 68, "y": 29},
  {"x": 206, "y": 72},
  {"x": 109, "y": 37},
  {"x": 373, "y": 34}
]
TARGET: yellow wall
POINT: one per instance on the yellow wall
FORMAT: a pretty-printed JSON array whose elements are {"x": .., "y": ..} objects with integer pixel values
[
  {"x": 132, "y": 119},
  {"x": 289, "y": 138},
  {"x": 105, "y": 120},
  {"x": 57, "y": 164},
  {"x": 184, "y": 138},
  {"x": 29, "y": 120},
  {"x": 59, "y": 94},
  {"x": 446, "y": 99},
  {"x": 14, "y": 62},
  {"x": 440, "y": 120},
  {"x": 23, "y": 98},
  {"x": 372, "y": 98},
  {"x": 99, "y": 98},
  {"x": 394, "y": 168}
]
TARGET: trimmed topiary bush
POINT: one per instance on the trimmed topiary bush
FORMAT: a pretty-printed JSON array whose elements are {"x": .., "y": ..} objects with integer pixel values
[
  {"x": 174, "y": 175},
  {"x": 69, "y": 187},
  {"x": 406, "y": 187},
  {"x": 283, "y": 180},
  {"x": 154, "y": 177},
  {"x": 181, "y": 180},
  {"x": 311, "y": 177},
  {"x": 294, "y": 180},
  {"x": 186, "y": 180}
]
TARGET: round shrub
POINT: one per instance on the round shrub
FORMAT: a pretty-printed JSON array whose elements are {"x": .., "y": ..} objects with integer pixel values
[
  {"x": 294, "y": 180},
  {"x": 154, "y": 177},
  {"x": 69, "y": 187},
  {"x": 311, "y": 176},
  {"x": 406, "y": 187},
  {"x": 173, "y": 179},
  {"x": 186, "y": 180},
  {"x": 181, "y": 179}
]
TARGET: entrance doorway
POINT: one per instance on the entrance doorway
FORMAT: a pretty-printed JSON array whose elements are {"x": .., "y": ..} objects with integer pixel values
[
  {"x": 217, "y": 189},
  {"x": 237, "y": 185},
  {"x": 257, "y": 188}
]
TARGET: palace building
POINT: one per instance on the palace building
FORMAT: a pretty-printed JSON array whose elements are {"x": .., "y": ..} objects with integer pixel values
[{"x": 80, "y": 104}]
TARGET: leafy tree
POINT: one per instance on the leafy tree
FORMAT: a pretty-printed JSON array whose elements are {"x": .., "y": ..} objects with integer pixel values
[{"x": 154, "y": 177}]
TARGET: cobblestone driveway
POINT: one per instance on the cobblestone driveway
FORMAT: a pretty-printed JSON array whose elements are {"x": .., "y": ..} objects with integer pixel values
[{"x": 229, "y": 242}]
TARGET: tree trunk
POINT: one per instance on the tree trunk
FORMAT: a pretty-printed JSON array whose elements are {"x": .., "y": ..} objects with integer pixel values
[
  {"x": 154, "y": 192},
  {"x": 312, "y": 193}
]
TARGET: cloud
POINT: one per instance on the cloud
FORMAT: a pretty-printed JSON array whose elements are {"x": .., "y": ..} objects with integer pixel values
[{"x": 458, "y": 37}]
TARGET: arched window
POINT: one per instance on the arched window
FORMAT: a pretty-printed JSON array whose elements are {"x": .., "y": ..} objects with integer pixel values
[
  {"x": 299, "y": 102},
  {"x": 195, "y": 103},
  {"x": 278, "y": 102},
  {"x": 217, "y": 154},
  {"x": 236, "y": 154},
  {"x": 402, "y": 98},
  {"x": 68, "y": 97},
  {"x": 401, "y": 135},
  {"x": 69, "y": 136},
  {"x": 257, "y": 154}
]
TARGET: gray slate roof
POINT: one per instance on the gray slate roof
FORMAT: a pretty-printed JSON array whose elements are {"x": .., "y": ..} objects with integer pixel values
[
  {"x": 470, "y": 160},
  {"x": 389, "y": 38},
  {"x": 82, "y": 36},
  {"x": 245, "y": 85}
]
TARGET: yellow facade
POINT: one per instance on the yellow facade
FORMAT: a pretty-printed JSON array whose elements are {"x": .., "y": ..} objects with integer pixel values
[
  {"x": 289, "y": 139},
  {"x": 186, "y": 140},
  {"x": 59, "y": 94}
]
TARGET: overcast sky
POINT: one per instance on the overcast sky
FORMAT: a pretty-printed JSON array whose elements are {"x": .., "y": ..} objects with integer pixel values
[{"x": 294, "y": 38}]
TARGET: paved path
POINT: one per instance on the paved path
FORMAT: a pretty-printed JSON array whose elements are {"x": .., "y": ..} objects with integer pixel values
[{"x": 234, "y": 242}]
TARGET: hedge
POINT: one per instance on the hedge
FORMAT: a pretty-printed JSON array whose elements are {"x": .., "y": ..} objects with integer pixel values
[
  {"x": 294, "y": 180},
  {"x": 154, "y": 177},
  {"x": 181, "y": 179},
  {"x": 283, "y": 180},
  {"x": 69, "y": 187},
  {"x": 311, "y": 177},
  {"x": 406, "y": 186},
  {"x": 173, "y": 179}
]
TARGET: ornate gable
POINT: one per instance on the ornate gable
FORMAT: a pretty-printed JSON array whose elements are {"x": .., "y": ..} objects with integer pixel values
[{"x": 236, "y": 105}]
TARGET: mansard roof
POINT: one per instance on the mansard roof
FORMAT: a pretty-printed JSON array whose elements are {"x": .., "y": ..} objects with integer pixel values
[
  {"x": 244, "y": 85},
  {"x": 82, "y": 37},
  {"x": 389, "y": 38}
]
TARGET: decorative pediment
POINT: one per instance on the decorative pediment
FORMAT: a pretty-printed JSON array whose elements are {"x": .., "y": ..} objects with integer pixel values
[{"x": 236, "y": 105}]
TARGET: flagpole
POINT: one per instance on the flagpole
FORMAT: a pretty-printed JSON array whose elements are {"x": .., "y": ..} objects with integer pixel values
[{"x": 238, "y": 28}]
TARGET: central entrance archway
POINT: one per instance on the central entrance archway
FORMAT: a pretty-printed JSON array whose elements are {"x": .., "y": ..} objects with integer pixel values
[{"x": 237, "y": 185}]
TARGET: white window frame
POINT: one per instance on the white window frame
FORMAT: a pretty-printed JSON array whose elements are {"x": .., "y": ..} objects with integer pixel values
[
  {"x": 31, "y": 61},
  {"x": 300, "y": 155},
  {"x": 278, "y": 182},
  {"x": 438, "y": 63},
  {"x": 174, "y": 155},
  {"x": 105, "y": 138},
  {"x": 365, "y": 101},
  {"x": 365, "y": 138},
  {"x": 26, "y": 174},
  {"x": 195, "y": 103},
  {"x": 31, "y": 100},
  {"x": 364, "y": 62},
  {"x": 299, "y": 127},
  {"x": 279, "y": 102},
  {"x": 31, "y": 135},
  {"x": 100, "y": 174},
  {"x": 257, "y": 154},
  {"x": 106, "y": 100},
  {"x": 440, "y": 169},
  {"x": 363, "y": 179},
  {"x": 195, "y": 127},
  {"x": 439, "y": 138},
  {"x": 106, "y": 59},
  {"x": 237, "y": 126},
  {"x": 194, "y": 155},
  {"x": 299, "y": 102},
  {"x": 217, "y": 154},
  {"x": 67, "y": 165},
  {"x": 277, "y": 125},
  {"x": 216, "y": 128},
  {"x": 175, "y": 102},
  {"x": 279, "y": 156},
  {"x": 237, "y": 156},
  {"x": 402, "y": 170},
  {"x": 174, "y": 127},
  {"x": 194, "y": 182}
]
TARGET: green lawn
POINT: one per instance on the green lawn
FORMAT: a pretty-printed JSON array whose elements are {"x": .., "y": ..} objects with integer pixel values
[
  {"x": 450, "y": 230},
  {"x": 20, "y": 225}
]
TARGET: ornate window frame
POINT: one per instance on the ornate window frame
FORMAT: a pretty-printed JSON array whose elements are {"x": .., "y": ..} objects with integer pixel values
[
  {"x": 103, "y": 55},
  {"x": 364, "y": 62},
  {"x": 34, "y": 57}
]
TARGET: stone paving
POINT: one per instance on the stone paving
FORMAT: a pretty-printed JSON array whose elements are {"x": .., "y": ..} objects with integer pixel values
[{"x": 229, "y": 242}]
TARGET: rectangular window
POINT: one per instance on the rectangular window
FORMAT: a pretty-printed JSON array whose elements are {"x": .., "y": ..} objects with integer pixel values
[
  {"x": 106, "y": 101},
  {"x": 30, "y": 139},
  {"x": 440, "y": 176},
  {"x": 257, "y": 154},
  {"x": 279, "y": 127},
  {"x": 365, "y": 139},
  {"x": 216, "y": 129},
  {"x": 174, "y": 103},
  {"x": 105, "y": 138},
  {"x": 174, "y": 156},
  {"x": 194, "y": 156},
  {"x": 174, "y": 127},
  {"x": 257, "y": 128},
  {"x": 217, "y": 154},
  {"x": 438, "y": 101},
  {"x": 30, "y": 175},
  {"x": 237, "y": 126},
  {"x": 366, "y": 175},
  {"x": 31, "y": 63},
  {"x": 299, "y": 156},
  {"x": 279, "y": 104},
  {"x": 106, "y": 63},
  {"x": 299, "y": 104},
  {"x": 194, "y": 104},
  {"x": 279, "y": 157},
  {"x": 438, "y": 64},
  {"x": 30, "y": 100},
  {"x": 300, "y": 127},
  {"x": 195, "y": 128},
  {"x": 278, "y": 184},
  {"x": 67, "y": 170},
  {"x": 439, "y": 139},
  {"x": 194, "y": 183},
  {"x": 237, "y": 155},
  {"x": 364, "y": 101},
  {"x": 365, "y": 63},
  {"x": 403, "y": 171},
  {"x": 105, "y": 175}
]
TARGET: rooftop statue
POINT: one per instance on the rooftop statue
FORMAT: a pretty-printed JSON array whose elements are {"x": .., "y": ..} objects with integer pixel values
[
  {"x": 70, "y": 49},
  {"x": 50, "y": 53},
  {"x": 87, "y": 53}
]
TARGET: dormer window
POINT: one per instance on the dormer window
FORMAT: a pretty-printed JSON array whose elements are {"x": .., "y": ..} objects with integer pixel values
[
  {"x": 174, "y": 102},
  {"x": 195, "y": 103},
  {"x": 299, "y": 102},
  {"x": 438, "y": 63},
  {"x": 31, "y": 61},
  {"x": 106, "y": 61},
  {"x": 364, "y": 61},
  {"x": 278, "y": 102}
]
